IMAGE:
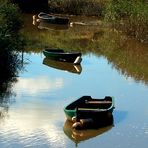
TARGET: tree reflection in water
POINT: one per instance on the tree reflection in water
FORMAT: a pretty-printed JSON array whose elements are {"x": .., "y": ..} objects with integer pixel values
[
  {"x": 127, "y": 55},
  {"x": 8, "y": 76},
  {"x": 10, "y": 41}
]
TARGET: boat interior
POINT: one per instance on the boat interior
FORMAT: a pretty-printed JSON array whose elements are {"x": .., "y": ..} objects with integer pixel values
[
  {"x": 55, "y": 50},
  {"x": 91, "y": 104}
]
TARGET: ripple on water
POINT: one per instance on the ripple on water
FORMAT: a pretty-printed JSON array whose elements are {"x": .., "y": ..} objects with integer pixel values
[{"x": 41, "y": 137}]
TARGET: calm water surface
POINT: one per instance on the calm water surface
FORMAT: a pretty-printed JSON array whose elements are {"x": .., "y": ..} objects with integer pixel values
[{"x": 33, "y": 116}]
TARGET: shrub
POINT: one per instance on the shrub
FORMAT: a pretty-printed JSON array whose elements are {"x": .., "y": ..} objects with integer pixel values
[
  {"x": 10, "y": 39},
  {"x": 78, "y": 7},
  {"x": 132, "y": 15}
]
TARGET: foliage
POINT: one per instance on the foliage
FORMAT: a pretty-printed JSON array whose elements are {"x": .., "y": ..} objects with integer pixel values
[
  {"x": 10, "y": 24},
  {"x": 78, "y": 7},
  {"x": 127, "y": 55},
  {"x": 131, "y": 15},
  {"x": 10, "y": 41}
]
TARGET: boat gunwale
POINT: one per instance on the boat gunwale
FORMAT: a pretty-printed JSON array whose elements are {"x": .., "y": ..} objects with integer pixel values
[
  {"x": 99, "y": 110},
  {"x": 55, "y": 51},
  {"x": 47, "y": 16}
]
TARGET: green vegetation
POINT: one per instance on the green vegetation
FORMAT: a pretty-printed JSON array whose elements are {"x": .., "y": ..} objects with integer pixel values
[
  {"x": 130, "y": 16},
  {"x": 78, "y": 37},
  {"x": 10, "y": 42},
  {"x": 126, "y": 55},
  {"x": 77, "y": 7},
  {"x": 10, "y": 24}
]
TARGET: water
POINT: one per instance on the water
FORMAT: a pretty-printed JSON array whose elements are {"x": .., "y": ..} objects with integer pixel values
[{"x": 33, "y": 115}]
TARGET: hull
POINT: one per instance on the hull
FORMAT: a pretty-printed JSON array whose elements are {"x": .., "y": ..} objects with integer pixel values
[
  {"x": 86, "y": 107},
  {"x": 69, "y": 67},
  {"x": 52, "y": 19},
  {"x": 60, "y": 55}
]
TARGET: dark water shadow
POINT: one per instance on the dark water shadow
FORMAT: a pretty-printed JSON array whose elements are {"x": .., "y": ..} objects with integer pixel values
[
  {"x": 10, "y": 65},
  {"x": 119, "y": 116},
  {"x": 6, "y": 93},
  {"x": 78, "y": 136},
  {"x": 48, "y": 26},
  {"x": 65, "y": 66}
]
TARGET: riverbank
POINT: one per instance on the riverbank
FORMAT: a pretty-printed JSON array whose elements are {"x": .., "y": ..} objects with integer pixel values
[{"x": 131, "y": 17}]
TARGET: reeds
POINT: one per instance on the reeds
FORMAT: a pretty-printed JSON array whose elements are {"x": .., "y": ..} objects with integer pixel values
[{"x": 129, "y": 16}]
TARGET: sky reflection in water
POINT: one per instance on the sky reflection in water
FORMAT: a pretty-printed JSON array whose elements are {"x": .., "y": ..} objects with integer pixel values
[{"x": 35, "y": 118}]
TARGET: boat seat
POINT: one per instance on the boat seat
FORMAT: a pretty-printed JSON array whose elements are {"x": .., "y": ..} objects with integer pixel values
[{"x": 98, "y": 102}]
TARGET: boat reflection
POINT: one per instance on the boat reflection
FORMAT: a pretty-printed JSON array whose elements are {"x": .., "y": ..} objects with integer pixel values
[
  {"x": 48, "y": 26},
  {"x": 65, "y": 66},
  {"x": 81, "y": 135}
]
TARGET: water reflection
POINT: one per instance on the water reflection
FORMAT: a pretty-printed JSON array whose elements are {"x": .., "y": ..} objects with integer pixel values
[
  {"x": 45, "y": 25},
  {"x": 78, "y": 136},
  {"x": 120, "y": 116},
  {"x": 4, "y": 107},
  {"x": 69, "y": 67},
  {"x": 127, "y": 55},
  {"x": 8, "y": 77},
  {"x": 28, "y": 85}
]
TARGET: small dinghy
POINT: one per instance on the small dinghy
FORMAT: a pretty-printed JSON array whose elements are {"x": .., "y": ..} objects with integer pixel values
[
  {"x": 87, "y": 107},
  {"x": 52, "y": 18},
  {"x": 61, "y": 55}
]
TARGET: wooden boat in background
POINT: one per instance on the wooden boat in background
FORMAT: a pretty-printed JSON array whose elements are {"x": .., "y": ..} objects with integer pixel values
[
  {"x": 61, "y": 55},
  {"x": 65, "y": 66},
  {"x": 52, "y": 18},
  {"x": 88, "y": 107}
]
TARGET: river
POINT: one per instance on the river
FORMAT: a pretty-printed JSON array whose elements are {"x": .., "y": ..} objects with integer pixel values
[{"x": 112, "y": 65}]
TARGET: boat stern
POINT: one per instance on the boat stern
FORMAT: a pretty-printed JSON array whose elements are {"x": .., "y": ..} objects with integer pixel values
[{"x": 78, "y": 60}]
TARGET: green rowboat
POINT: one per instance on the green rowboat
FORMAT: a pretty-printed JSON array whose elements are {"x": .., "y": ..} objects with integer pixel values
[
  {"x": 53, "y": 19},
  {"x": 61, "y": 55},
  {"x": 88, "y": 107}
]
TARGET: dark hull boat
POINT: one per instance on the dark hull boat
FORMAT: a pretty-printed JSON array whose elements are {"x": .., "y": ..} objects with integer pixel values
[
  {"x": 61, "y": 55},
  {"x": 52, "y": 18},
  {"x": 89, "y": 108},
  {"x": 65, "y": 66}
]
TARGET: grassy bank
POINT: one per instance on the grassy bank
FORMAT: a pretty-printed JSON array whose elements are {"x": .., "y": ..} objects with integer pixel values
[
  {"x": 129, "y": 16},
  {"x": 78, "y": 7}
]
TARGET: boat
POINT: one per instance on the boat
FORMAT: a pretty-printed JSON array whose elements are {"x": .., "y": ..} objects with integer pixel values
[
  {"x": 61, "y": 55},
  {"x": 78, "y": 136},
  {"x": 52, "y": 18},
  {"x": 65, "y": 66},
  {"x": 87, "y": 107}
]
